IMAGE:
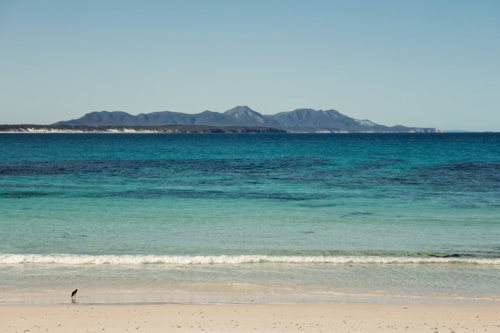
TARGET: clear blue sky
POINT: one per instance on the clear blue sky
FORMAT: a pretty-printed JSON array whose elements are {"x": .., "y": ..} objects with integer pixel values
[{"x": 417, "y": 63}]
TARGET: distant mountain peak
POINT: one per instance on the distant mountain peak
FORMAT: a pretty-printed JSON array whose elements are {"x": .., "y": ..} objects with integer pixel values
[
  {"x": 326, "y": 120},
  {"x": 240, "y": 110},
  {"x": 243, "y": 114}
]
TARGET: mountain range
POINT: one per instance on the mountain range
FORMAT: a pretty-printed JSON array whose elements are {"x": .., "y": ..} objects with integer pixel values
[{"x": 300, "y": 120}]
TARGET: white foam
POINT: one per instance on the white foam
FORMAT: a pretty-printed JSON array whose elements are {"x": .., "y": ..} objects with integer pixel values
[{"x": 72, "y": 259}]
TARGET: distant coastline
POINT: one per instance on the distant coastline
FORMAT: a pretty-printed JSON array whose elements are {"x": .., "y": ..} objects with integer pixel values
[
  {"x": 179, "y": 129},
  {"x": 136, "y": 129}
]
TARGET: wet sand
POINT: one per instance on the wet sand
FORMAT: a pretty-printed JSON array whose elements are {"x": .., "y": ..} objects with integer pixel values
[{"x": 250, "y": 318}]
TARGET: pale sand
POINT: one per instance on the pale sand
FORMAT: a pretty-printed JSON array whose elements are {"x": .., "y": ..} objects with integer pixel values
[{"x": 251, "y": 318}]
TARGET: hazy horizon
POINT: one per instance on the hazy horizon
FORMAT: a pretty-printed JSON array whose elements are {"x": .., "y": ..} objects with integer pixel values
[
  {"x": 423, "y": 64},
  {"x": 222, "y": 111}
]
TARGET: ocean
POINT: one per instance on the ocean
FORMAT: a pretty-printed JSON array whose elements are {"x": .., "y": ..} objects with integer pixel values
[{"x": 282, "y": 215}]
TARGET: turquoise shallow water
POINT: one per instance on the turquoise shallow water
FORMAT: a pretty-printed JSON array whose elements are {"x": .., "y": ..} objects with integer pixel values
[{"x": 392, "y": 214}]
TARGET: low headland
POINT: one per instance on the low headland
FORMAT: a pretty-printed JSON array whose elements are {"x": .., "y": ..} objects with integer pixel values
[{"x": 136, "y": 129}]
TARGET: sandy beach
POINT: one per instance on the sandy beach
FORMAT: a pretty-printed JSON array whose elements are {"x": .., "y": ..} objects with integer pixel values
[{"x": 249, "y": 318}]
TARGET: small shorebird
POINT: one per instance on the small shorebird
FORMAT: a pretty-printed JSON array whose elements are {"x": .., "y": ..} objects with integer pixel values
[{"x": 74, "y": 293}]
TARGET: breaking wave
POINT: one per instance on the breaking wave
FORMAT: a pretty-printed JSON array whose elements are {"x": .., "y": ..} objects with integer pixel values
[{"x": 71, "y": 259}]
